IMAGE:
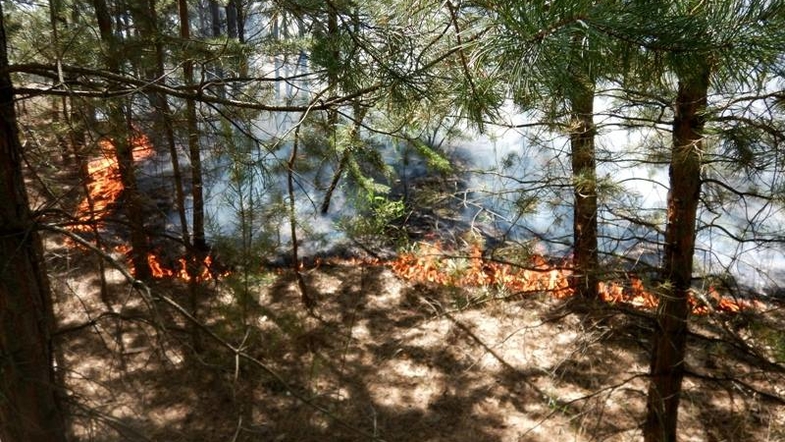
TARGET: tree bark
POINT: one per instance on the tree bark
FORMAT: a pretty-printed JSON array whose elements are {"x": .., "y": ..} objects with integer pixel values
[
  {"x": 216, "y": 68},
  {"x": 166, "y": 126},
  {"x": 197, "y": 224},
  {"x": 669, "y": 347},
  {"x": 121, "y": 130},
  {"x": 132, "y": 202},
  {"x": 215, "y": 19},
  {"x": 585, "y": 256},
  {"x": 199, "y": 248},
  {"x": 29, "y": 409},
  {"x": 234, "y": 30},
  {"x": 231, "y": 19},
  {"x": 308, "y": 301}
]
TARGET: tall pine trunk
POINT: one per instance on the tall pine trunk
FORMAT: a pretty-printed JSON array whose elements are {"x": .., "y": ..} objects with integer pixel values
[
  {"x": 166, "y": 126},
  {"x": 198, "y": 250},
  {"x": 120, "y": 124},
  {"x": 582, "y": 132},
  {"x": 29, "y": 409},
  {"x": 132, "y": 198},
  {"x": 199, "y": 242},
  {"x": 667, "y": 358}
]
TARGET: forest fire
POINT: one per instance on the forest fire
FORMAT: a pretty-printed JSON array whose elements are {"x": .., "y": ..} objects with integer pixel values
[
  {"x": 104, "y": 185},
  {"x": 206, "y": 270},
  {"x": 434, "y": 265},
  {"x": 430, "y": 264}
]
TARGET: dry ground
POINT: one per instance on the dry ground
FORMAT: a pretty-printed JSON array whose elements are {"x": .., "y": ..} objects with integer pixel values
[{"x": 389, "y": 360}]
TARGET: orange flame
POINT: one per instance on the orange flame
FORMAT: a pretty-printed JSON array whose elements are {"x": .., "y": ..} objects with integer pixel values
[
  {"x": 206, "y": 269},
  {"x": 432, "y": 264},
  {"x": 104, "y": 185}
]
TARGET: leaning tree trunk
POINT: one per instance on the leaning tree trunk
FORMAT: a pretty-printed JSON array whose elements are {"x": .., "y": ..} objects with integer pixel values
[
  {"x": 29, "y": 410},
  {"x": 582, "y": 132},
  {"x": 353, "y": 141},
  {"x": 667, "y": 358}
]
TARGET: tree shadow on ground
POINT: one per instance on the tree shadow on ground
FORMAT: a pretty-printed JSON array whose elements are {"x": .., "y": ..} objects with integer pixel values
[{"x": 381, "y": 359}]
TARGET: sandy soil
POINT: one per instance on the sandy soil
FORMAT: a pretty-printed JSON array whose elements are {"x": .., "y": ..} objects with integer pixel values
[{"x": 386, "y": 359}]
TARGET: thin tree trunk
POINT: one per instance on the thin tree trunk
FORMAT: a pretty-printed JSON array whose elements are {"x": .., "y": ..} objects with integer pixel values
[
  {"x": 199, "y": 242},
  {"x": 145, "y": 25},
  {"x": 121, "y": 130},
  {"x": 231, "y": 19},
  {"x": 215, "y": 19},
  {"x": 585, "y": 258},
  {"x": 240, "y": 26},
  {"x": 667, "y": 358},
  {"x": 132, "y": 199},
  {"x": 75, "y": 120},
  {"x": 328, "y": 194},
  {"x": 198, "y": 250},
  {"x": 29, "y": 409},
  {"x": 55, "y": 19},
  {"x": 84, "y": 176},
  {"x": 332, "y": 114},
  {"x": 167, "y": 127},
  {"x": 218, "y": 74},
  {"x": 308, "y": 302}
]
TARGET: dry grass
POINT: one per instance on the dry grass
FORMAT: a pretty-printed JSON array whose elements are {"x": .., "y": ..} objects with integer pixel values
[{"x": 391, "y": 360}]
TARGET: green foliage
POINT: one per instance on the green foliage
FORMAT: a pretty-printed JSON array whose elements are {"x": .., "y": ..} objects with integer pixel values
[
  {"x": 376, "y": 220},
  {"x": 434, "y": 160},
  {"x": 252, "y": 235}
]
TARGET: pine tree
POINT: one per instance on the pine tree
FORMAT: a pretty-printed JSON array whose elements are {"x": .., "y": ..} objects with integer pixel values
[
  {"x": 120, "y": 120},
  {"x": 556, "y": 60},
  {"x": 708, "y": 47}
]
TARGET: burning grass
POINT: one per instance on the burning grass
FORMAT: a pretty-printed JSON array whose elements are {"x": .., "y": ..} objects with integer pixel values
[
  {"x": 432, "y": 263},
  {"x": 204, "y": 270},
  {"x": 105, "y": 186}
]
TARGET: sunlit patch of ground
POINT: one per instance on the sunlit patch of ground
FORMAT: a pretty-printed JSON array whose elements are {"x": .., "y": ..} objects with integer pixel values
[{"x": 385, "y": 358}]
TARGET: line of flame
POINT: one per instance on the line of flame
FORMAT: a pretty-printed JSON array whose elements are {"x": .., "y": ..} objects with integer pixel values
[{"x": 428, "y": 265}]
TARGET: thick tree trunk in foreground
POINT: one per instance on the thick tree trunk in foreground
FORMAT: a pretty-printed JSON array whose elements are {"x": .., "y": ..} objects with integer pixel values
[
  {"x": 29, "y": 409},
  {"x": 667, "y": 359},
  {"x": 585, "y": 258}
]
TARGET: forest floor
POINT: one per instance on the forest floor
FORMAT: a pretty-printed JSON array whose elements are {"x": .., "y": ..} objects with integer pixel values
[{"x": 393, "y": 360}]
